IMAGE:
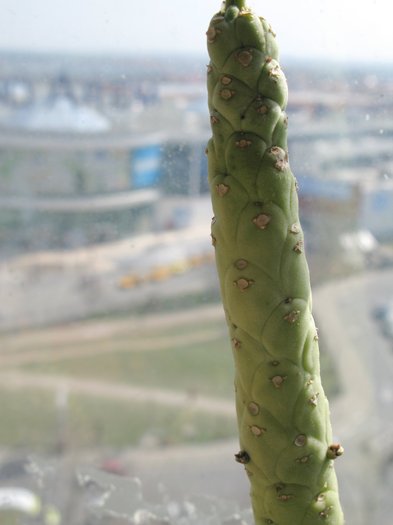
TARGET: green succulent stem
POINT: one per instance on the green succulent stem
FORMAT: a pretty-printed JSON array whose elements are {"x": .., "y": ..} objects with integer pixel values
[
  {"x": 240, "y": 4},
  {"x": 285, "y": 435}
]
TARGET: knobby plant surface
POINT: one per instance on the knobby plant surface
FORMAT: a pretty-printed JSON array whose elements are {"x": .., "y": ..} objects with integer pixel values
[{"x": 284, "y": 425}]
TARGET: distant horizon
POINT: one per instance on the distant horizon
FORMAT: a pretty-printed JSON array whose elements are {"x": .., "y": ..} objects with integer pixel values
[
  {"x": 328, "y": 30},
  {"x": 200, "y": 55}
]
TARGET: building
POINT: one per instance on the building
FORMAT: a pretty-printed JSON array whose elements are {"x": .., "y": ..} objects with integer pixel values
[{"x": 67, "y": 179}]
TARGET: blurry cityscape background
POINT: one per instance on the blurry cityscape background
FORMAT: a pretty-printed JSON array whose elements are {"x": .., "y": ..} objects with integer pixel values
[
  {"x": 96, "y": 150},
  {"x": 112, "y": 338}
]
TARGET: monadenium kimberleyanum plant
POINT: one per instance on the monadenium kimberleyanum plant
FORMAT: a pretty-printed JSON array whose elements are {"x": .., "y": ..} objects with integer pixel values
[{"x": 286, "y": 443}]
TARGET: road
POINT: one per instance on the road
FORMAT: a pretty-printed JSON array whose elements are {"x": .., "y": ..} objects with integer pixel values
[
  {"x": 362, "y": 417},
  {"x": 118, "y": 392}
]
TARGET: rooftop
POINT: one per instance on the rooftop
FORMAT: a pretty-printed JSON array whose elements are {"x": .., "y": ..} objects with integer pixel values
[{"x": 58, "y": 115}]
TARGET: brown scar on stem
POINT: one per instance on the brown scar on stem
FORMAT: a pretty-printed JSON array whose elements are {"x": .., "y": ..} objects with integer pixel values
[
  {"x": 281, "y": 156},
  {"x": 227, "y": 94},
  {"x": 303, "y": 459},
  {"x": 277, "y": 152},
  {"x": 314, "y": 400},
  {"x": 212, "y": 34},
  {"x": 281, "y": 165},
  {"x": 285, "y": 497},
  {"x": 236, "y": 343},
  {"x": 262, "y": 220},
  {"x": 241, "y": 264},
  {"x": 243, "y": 143},
  {"x": 292, "y": 317},
  {"x": 335, "y": 450},
  {"x": 300, "y": 440},
  {"x": 242, "y": 457},
  {"x": 254, "y": 408},
  {"x": 257, "y": 431},
  {"x": 271, "y": 31},
  {"x": 222, "y": 189},
  {"x": 278, "y": 381},
  {"x": 225, "y": 80},
  {"x": 244, "y": 57},
  {"x": 275, "y": 73},
  {"x": 325, "y": 513},
  {"x": 245, "y": 11},
  {"x": 262, "y": 110},
  {"x": 243, "y": 283},
  {"x": 298, "y": 248}
]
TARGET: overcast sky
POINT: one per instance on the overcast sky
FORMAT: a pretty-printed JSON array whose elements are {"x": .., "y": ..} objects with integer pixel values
[{"x": 336, "y": 29}]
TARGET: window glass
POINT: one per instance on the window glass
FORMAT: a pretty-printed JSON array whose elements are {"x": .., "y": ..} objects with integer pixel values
[{"x": 116, "y": 372}]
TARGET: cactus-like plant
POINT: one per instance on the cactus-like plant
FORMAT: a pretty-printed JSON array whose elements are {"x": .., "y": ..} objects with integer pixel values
[{"x": 283, "y": 414}]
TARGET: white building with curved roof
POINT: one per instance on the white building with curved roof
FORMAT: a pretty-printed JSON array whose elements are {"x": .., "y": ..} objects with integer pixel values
[
  {"x": 68, "y": 179},
  {"x": 58, "y": 115}
]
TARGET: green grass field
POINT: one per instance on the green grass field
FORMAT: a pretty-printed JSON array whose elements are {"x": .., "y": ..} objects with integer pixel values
[
  {"x": 192, "y": 357},
  {"x": 31, "y": 420},
  {"x": 202, "y": 368}
]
